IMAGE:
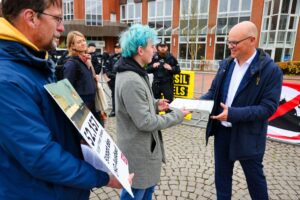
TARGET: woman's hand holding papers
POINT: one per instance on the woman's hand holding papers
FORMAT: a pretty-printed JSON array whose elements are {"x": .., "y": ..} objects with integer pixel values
[
  {"x": 185, "y": 111},
  {"x": 163, "y": 105}
]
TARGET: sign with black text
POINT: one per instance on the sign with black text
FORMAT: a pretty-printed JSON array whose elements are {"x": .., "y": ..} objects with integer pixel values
[
  {"x": 101, "y": 147},
  {"x": 184, "y": 84}
]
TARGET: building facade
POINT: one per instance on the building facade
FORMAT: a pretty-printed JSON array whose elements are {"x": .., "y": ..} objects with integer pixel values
[{"x": 195, "y": 30}]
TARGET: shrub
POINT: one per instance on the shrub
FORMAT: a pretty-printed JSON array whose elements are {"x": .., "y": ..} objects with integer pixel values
[{"x": 290, "y": 67}]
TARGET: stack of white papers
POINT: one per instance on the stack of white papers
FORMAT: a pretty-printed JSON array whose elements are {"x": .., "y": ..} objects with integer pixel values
[
  {"x": 92, "y": 158},
  {"x": 191, "y": 104}
]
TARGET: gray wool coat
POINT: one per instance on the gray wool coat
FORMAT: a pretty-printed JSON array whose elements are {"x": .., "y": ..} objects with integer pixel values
[{"x": 138, "y": 126}]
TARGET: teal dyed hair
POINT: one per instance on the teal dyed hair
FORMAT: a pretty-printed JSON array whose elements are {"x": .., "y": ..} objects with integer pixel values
[{"x": 134, "y": 37}]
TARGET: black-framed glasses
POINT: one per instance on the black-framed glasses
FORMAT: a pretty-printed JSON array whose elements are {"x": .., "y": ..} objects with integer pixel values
[
  {"x": 58, "y": 19},
  {"x": 235, "y": 43}
]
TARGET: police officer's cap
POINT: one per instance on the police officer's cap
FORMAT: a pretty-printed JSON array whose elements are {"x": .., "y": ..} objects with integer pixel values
[
  {"x": 92, "y": 44},
  {"x": 117, "y": 45},
  {"x": 162, "y": 44}
]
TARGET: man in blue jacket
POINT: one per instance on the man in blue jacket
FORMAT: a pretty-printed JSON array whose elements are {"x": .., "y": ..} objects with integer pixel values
[
  {"x": 40, "y": 149},
  {"x": 246, "y": 92}
]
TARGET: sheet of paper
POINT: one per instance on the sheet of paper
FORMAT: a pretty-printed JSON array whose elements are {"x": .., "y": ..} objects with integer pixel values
[
  {"x": 191, "y": 104},
  {"x": 102, "y": 147},
  {"x": 92, "y": 158}
]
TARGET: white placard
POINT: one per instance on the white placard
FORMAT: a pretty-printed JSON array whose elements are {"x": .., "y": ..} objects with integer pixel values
[{"x": 102, "y": 147}]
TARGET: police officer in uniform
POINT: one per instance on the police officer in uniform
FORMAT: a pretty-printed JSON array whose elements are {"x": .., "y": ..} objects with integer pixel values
[
  {"x": 96, "y": 57},
  {"x": 108, "y": 69},
  {"x": 163, "y": 66}
]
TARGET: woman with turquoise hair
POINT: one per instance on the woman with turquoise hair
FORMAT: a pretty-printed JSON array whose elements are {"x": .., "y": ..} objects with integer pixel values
[{"x": 138, "y": 124}]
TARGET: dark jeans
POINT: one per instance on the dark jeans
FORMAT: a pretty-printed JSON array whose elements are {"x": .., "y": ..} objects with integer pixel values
[
  {"x": 139, "y": 194},
  {"x": 165, "y": 88},
  {"x": 253, "y": 169}
]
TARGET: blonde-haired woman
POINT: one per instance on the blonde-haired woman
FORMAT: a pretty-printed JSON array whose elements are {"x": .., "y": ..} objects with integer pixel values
[{"x": 79, "y": 71}]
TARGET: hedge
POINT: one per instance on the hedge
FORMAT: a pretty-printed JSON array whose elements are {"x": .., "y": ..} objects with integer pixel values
[{"x": 290, "y": 67}]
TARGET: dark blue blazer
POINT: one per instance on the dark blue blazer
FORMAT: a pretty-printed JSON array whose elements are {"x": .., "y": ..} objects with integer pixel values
[{"x": 255, "y": 101}]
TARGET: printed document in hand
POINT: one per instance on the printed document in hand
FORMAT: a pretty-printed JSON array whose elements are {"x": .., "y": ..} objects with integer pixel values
[
  {"x": 101, "y": 152},
  {"x": 91, "y": 157},
  {"x": 191, "y": 104}
]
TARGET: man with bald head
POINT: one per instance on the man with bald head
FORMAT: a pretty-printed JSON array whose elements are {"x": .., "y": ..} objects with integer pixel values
[{"x": 246, "y": 92}]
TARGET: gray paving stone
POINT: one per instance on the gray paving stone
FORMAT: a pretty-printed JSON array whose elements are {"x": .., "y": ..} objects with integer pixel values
[
  {"x": 182, "y": 187},
  {"x": 94, "y": 198},
  {"x": 176, "y": 193},
  {"x": 166, "y": 193},
  {"x": 189, "y": 171},
  {"x": 193, "y": 196},
  {"x": 161, "y": 197},
  {"x": 103, "y": 196},
  {"x": 171, "y": 198},
  {"x": 174, "y": 187}
]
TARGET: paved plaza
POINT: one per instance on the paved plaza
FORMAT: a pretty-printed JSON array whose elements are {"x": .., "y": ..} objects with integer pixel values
[{"x": 189, "y": 171}]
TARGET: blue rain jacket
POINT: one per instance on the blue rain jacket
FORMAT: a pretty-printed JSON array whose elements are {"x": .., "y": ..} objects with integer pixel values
[{"x": 40, "y": 154}]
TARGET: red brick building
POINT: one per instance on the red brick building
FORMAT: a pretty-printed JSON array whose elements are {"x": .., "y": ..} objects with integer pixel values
[{"x": 195, "y": 30}]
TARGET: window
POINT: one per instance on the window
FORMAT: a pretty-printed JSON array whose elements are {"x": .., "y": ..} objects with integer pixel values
[
  {"x": 295, "y": 7},
  {"x": 292, "y": 24},
  {"x": 193, "y": 30},
  {"x": 283, "y": 22},
  {"x": 281, "y": 37},
  {"x": 93, "y": 12},
  {"x": 230, "y": 12},
  {"x": 279, "y": 28},
  {"x": 160, "y": 18},
  {"x": 287, "y": 54},
  {"x": 278, "y": 53},
  {"x": 276, "y": 4},
  {"x": 265, "y": 24},
  {"x": 246, "y": 5},
  {"x": 263, "y": 38},
  {"x": 223, "y": 4},
  {"x": 68, "y": 10},
  {"x": 204, "y": 6},
  {"x": 274, "y": 22},
  {"x": 184, "y": 7},
  {"x": 234, "y": 5},
  {"x": 160, "y": 8},
  {"x": 131, "y": 12},
  {"x": 267, "y": 7},
  {"x": 285, "y": 6},
  {"x": 220, "y": 49}
]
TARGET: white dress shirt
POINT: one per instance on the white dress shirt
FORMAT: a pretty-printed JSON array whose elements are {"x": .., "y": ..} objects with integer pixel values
[{"x": 236, "y": 78}]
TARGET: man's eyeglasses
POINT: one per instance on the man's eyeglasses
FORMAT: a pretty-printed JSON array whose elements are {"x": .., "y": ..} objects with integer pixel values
[
  {"x": 58, "y": 19},
  {"x": 235, "y": 43}
]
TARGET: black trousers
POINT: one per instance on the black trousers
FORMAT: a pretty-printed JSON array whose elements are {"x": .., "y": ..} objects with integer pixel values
[
  {"x": 253, "y": 169},
  {"x": 111, "y": 85},
  {"x": 163, "y": 88}
]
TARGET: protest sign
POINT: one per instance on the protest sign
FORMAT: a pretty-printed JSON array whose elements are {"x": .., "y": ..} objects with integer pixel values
[
  {"x": 284, "y": 125},
  {"x": 101, "y": 144}
]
